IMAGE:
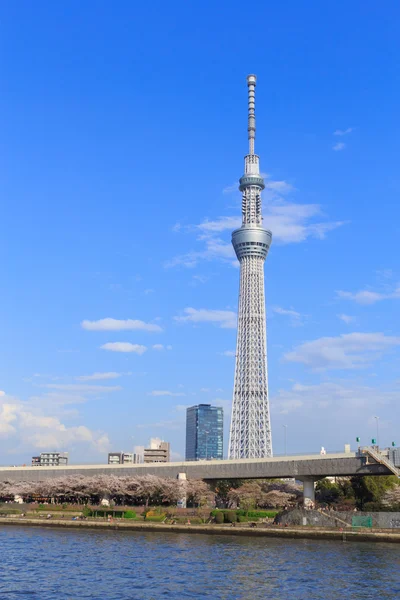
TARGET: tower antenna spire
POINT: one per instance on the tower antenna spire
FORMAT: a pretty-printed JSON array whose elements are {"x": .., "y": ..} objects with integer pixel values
[
  {"x": 251, "y": 122},
  {"x": 250, "y": 434}
]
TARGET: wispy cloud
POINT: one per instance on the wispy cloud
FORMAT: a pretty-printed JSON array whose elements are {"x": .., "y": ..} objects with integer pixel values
[
  {"x": 124, "y": 347},
  {"x": 346, "y": 318},
  {"x": 294, "y": 316},
  {"x": 110, "y": 324},
  {"x": 228, "y": 353},
  {"x": 165, "y": 393},
  {"x": 343, "y": 131},
  {"x": 339, "y": 146},
  {"x": 98, "y": 376},
  {"x": 77, "y": 387},
  {"x": 347, "y": 351},
  {"x": 161, "y": 347},
  {"x": 368, "y": 297},
  {"x": 223, "y": 318},
  {"x": 289, "y": 223},
  {"x": 348, "y": 396}
]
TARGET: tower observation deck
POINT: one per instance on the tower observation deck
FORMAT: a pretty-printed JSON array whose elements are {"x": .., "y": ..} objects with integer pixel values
[{"x": 250, "y": 432}]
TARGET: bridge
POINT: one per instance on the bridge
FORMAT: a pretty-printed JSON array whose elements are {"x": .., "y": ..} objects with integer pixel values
[{"x": 307, "y": 468}]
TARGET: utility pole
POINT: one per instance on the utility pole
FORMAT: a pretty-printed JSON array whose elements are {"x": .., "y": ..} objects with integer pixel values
[{"x": 377, "y": 430}]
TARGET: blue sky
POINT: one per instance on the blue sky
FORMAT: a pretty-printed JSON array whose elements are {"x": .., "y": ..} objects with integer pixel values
[{"x": 123, "y": 131}]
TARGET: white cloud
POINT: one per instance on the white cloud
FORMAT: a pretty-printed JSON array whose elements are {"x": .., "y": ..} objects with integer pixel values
[
  {"x": 205, "y": 390},
  {"x": 347, "y": 351},
  {"x": 161, "y": 347},
  {"x": 343, "y": 131},
  {"x": 109, "y": 324},
  {"x": 7, "y": 416},
  {"x": 289, "y": 223},
  {"x": 98, "y": 376},
  {"x": 124, "y": 347},
  {"x": 346, "y": 318},
  {"x": 215, "y": 249},
  {"x": 224, "y": 318},
  {"x": 77, "y": 387},
  {"x": 337, "y": 396},
  {"x": 51, "y": 400},
  {"x": 339, "y": 146},
  {"x": 36, "y": 430},
  {"x": 2, "y": 393},
  {"x": 200, "y": 278},
  {"x": 228, "y": 353},
  {"x": 295, "y": 317},
  {"x": 229, "y": 189},
  {"x": 165, "y": 393},
  {"x": 368, "y": 297}
]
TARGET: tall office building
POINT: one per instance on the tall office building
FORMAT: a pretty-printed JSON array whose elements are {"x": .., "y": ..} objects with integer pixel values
[
  {"x": 250, "y": 433},
  {"x": 204, "y": 432}
]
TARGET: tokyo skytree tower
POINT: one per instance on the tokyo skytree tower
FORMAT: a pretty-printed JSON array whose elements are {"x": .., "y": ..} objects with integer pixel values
[{"x": 250, "y": 434}]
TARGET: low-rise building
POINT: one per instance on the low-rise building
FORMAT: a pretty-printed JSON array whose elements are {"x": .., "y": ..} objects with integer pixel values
[
  {"x": 159, "y": 451},
  {"x": 121, "y": 458},
  {"x": 115, "y": 458},
  {"x": 50, "y": 459}
]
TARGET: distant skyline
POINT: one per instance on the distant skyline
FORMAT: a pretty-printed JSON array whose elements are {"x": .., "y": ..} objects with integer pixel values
[{"x": 123, "y": 136}]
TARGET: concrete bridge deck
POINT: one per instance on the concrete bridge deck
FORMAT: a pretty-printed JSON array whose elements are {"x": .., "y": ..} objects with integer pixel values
[{"x": 299, "y": 467}]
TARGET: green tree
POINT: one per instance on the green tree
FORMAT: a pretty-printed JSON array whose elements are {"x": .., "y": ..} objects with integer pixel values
[
  {"x": 222, "y": 487},
  {"x": 328, "y": 492},
  {"x": 371, "y": 489}
]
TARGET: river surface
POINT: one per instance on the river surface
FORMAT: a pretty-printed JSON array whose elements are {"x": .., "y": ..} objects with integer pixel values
[{"x": 47, "y": 564}]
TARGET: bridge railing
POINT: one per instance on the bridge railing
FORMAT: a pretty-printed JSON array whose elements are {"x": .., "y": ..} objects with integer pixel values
[{"x": 379, "y": 458}]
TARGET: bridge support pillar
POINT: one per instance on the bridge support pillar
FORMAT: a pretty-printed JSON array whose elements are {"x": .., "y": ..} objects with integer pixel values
[
  {"x": 309, "y": 491},
  {"x": 182, "y": 480}
]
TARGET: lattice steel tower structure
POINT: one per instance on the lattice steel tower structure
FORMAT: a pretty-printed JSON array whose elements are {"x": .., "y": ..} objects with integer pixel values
[{"x": 250, "y": 434}]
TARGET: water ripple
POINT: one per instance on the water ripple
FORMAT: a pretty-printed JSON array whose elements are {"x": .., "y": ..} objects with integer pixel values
[{"x": 55, "y": 564}]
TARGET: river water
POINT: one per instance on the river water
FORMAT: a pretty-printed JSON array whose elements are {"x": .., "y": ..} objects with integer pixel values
[{"x": 47, "y": 564}]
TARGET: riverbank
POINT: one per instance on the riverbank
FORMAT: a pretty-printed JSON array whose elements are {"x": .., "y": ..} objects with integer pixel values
[{"x": 270, "y": 531}]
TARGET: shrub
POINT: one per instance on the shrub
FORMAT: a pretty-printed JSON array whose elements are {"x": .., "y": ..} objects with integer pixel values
[
  {"x": 242, "y": 519},
  {"x": 262, "y": 514},
  {"x": 230, "y": 516},
  {"x": 10, "y": 511},
  {"x": 155, "y": 518},
  {"x": 195, "y": 520},
  {"x": 219, "y": 517},
  {"x": 129, "y": 514}
]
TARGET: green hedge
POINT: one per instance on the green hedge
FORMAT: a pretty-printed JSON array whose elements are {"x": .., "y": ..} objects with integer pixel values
[
  {"x": 251, "y": 514},
  {"x": 10, "y": 511},
  {"x": 219, "y": 517},
  {"x": 129, "y": 514},
  {"x": 230, "y": 516},
  {"x": 155, "y": 518},
  {"x": 242, "y": 519},
  {"x": 261, "y": 514},
  {"x": 108, "y": 512}
]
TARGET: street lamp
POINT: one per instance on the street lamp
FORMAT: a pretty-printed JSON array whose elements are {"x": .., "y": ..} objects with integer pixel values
[
  {"x": 285, "y": 435},
  {"x": 377, "y": 430}
]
